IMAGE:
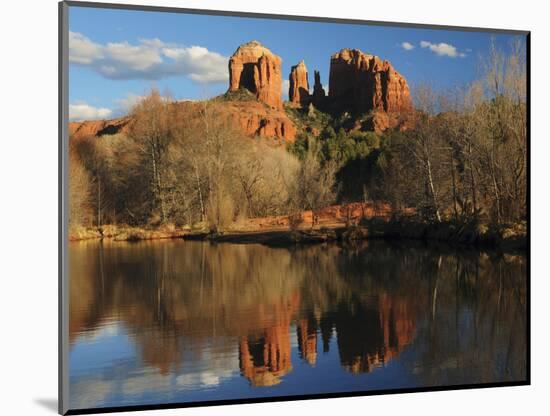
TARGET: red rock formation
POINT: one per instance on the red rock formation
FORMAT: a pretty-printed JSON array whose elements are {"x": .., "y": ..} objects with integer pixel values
[
  {"x": 318, "y": 90},
  {"x": 361, "y": 83},
  {"x": 298, "y": 91},
  {"x": 79, "y": 129},
  {"x": 257, "y": 69},
  {"x": 254, "y": 119},
  {"x": 249, "y": 117}
]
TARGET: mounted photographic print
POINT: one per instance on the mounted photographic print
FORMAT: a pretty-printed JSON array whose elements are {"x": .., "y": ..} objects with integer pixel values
[{"x": 264, "y": 208}]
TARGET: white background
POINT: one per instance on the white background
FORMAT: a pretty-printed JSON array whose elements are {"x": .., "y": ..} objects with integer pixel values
[{"x": 28, "y": 204}]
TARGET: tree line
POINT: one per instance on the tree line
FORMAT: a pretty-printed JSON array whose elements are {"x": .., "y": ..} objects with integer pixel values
[
  {"x": 467, "y": 156},
  {"x": 180, "y": 166},
  {"x": 464, "y": 159}
]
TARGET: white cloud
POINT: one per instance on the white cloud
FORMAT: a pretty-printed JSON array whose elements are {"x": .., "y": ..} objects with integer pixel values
[
  {"x": 407, "y": 46},
  {"x": 104, "y": 330},
  {"x": 442, "y": 49},
  {"x": 82, "y": 50},
  {"x": 200, "y": 64},
  {"x": 137, "y": 58},
  {"x": 83, "y": 111},
  {"x": 121, "y": 107},
  {"x": 149, "y": 59}
]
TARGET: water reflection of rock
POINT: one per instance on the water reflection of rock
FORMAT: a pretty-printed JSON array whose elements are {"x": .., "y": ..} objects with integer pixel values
[
  {"x": 265, "y": 355},
  {"x": 177, "y": 296},
  {"x": 307, "y": 339},
  {"x": 371, "y": 333}
]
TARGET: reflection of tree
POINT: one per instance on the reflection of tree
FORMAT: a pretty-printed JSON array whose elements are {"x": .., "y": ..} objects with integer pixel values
[
  {"x": 475, "y": 331},
  {"x": 166, "y": 293},
  {"x": 464, "y": 311}
]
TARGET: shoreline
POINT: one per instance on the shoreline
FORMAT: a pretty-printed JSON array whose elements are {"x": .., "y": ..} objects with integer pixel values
[{"x": 511, "y": 237}]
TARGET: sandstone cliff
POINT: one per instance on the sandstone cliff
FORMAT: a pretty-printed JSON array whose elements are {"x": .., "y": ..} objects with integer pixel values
[
  {"x": 252, "y": 118},
  {"x": 257, "y": 69},
  {"x": 361, "y": 83},
  {"x": 298, "y": 92},
  {"x": 367, "y": 87},
  {"x": 318, "y": 90},
  {"x": 98, "y": 127}
]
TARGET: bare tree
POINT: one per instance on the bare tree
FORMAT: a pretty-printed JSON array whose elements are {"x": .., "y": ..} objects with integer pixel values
[
  {"x": 316, "y": 186},
  {"x": 425, "y": 149},
  {"x": 151, "y": 130},
  {"x": 79, "y": 191}
]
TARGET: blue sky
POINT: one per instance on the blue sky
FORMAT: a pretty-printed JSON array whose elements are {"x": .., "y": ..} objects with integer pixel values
[{"x": 118, "y": 55}]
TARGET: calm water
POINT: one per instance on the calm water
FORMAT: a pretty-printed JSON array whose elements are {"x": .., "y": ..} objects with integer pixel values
[{"x": 175, "y": 321}]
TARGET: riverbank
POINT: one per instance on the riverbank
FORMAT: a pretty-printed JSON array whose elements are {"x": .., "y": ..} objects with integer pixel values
[
  {"x": 512, "y": 237},
  {"x": 355, "y": 221},
  {"x": 306, "y": 224},
  {"x": 503, "y": 236},
  {"x": 126, "y": 233}
]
